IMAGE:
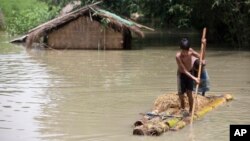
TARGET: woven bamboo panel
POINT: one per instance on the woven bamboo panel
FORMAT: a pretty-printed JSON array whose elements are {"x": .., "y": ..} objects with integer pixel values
[{"x": 84, "y": 33}]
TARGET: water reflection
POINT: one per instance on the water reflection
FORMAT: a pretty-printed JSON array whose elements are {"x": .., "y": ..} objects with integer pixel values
[
  {"x": 95, "y": 98},
  {"x": 23, "y": 83},
  {"x": 102, "y": 92}
]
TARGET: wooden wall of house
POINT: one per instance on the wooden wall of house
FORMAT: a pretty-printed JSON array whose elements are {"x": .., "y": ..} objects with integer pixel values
[{"x": 83, "y": 33}]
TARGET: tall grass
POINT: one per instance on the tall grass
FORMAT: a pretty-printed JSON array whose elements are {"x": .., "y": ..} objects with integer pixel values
[{"x": 22, "y": 15}]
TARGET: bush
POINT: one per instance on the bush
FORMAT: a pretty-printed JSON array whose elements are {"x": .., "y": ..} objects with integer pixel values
[
  {"x": 20, "y": 21},
  {"x": 1, "y": 20}
]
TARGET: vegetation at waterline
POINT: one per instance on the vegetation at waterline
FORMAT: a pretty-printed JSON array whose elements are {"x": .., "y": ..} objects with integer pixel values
[{"x": 226, "y": 20}]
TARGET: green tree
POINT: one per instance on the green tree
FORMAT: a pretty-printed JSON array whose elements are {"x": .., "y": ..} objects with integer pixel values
[{"x": 235, "y": 19}]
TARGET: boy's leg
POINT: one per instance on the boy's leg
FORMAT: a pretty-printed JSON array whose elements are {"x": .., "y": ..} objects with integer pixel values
[
  {"x": 203, "y": 93},
  {"x": 182, "y": 101},
  {"x": 190, "y": 100},
  {"x": 181, "y": 89}
]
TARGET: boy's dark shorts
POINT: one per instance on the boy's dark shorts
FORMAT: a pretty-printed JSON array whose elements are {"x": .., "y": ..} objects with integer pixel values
[{"x": 186, "y": 83}]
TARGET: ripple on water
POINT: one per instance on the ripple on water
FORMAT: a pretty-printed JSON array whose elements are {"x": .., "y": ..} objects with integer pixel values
[
  {"x": 23, "y": 83},
  {"x": 7, "y": 106}
]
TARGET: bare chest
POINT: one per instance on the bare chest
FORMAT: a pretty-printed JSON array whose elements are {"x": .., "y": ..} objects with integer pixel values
[{"x": 187, "y": 62}]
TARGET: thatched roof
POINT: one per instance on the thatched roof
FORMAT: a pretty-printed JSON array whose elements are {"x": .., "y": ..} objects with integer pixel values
[{"x": 95, "y": 13}]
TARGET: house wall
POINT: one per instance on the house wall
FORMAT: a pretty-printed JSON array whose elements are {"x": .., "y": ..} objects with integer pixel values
[{"x": 83, "y": 33}]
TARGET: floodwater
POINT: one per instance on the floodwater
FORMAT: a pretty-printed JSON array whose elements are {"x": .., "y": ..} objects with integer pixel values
[{"x": 90, "y": 95}]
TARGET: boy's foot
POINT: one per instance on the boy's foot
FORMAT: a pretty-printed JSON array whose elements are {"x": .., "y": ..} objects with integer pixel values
[
  {"x": 185, "y": 113},
  {"x": 187, "y": 119}
]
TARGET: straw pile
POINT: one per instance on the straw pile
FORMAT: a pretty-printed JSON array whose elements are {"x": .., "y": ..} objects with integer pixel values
[{"x": 166, "y": 101}]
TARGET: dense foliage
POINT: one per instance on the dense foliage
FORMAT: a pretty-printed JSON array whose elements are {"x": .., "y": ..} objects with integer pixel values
[
  {"x": 22, "y": 21},
  {"x": 1, "y": 20},
  {"x": 20, "y": 16},
  {"x": 235, "y": 21},
  {"x": 226, "y": 20}
]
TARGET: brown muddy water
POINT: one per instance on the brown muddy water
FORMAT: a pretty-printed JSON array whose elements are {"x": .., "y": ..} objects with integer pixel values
[{"x": 90, "y": 95}]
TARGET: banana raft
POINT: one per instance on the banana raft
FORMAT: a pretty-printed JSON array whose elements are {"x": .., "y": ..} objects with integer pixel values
[{"x": 166, "y": 115}]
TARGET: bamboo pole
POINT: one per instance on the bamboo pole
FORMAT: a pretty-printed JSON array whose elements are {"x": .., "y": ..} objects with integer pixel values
[{"x": 202, "y": 51}]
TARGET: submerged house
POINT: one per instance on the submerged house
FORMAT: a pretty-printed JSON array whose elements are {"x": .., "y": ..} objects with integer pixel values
[{"x": 89, "y": 27}]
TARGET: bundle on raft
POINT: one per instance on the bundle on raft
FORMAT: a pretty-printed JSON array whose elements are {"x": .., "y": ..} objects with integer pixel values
[{"x": 166, "y": 114}]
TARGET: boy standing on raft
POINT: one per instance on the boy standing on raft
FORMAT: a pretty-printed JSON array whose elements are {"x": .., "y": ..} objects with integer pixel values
[{"x": 185, "y": 76}]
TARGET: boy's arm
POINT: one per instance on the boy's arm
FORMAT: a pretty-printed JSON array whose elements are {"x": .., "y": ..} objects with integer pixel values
[
  {"x": 183, "y": 69},
  {"x": 194, "y": 53},
  {"x": 197, "y": 55}
]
